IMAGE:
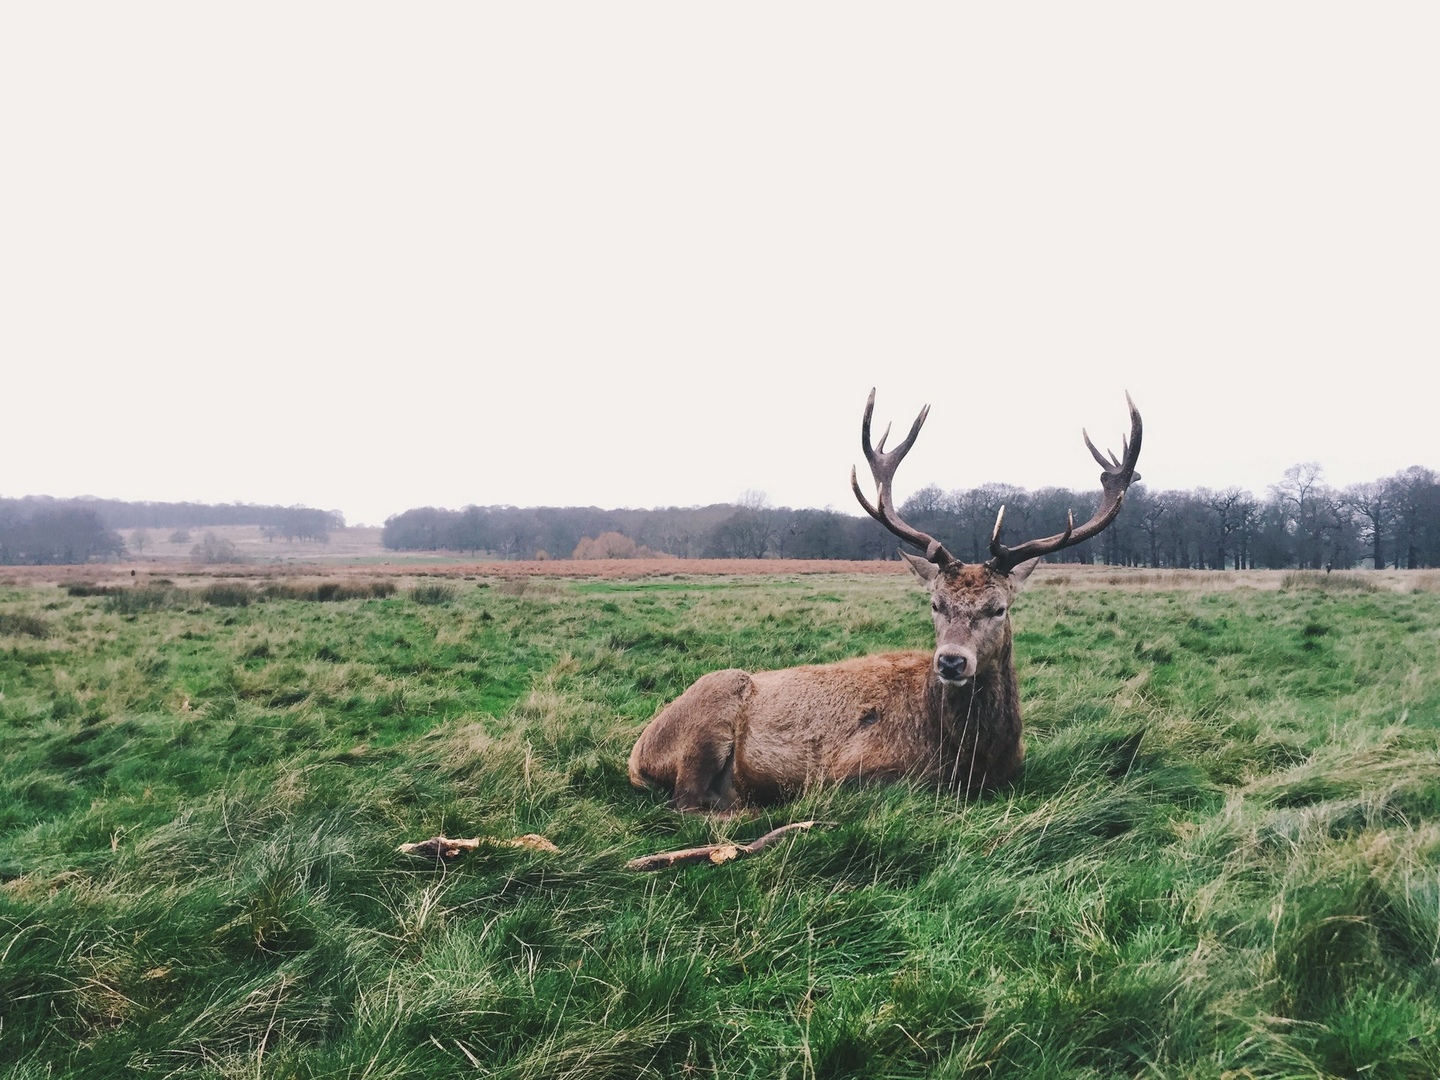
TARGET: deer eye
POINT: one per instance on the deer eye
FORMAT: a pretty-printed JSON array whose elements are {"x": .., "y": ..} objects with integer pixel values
[
  {"x": 935, "y": 606},
  {"x": 996, "y": 613}
]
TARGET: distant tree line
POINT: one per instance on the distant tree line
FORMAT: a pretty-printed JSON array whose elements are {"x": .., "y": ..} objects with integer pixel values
[
  {"x": 291, "y": 522},
  {"x": 42, "y": 530},
  {"x": 1301, "y": 522},
  {"x": 722, "y": 530},
  {"x": 62, "y": 534}
]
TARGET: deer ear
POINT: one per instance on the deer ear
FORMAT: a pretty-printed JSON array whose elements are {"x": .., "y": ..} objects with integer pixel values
[
  {"x": 924, "y": 569},
  {"x": 1022, "y": 571}
]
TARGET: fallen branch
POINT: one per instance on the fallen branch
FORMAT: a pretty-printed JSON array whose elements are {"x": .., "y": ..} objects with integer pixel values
[
  {"x": 441, "y": 847},
  {"x": 718, "y": 854}
]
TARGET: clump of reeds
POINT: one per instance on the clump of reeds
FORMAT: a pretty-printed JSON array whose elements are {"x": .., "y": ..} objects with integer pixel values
[
  {"x": 432, "y": 594},
  {"x": 143, "y": 598},
  {"x": 227, "y": 594},
  {"x": 89, "y": 588},
  {"x": 17, "y": 623},
  {"x": 329, "y": 591}
]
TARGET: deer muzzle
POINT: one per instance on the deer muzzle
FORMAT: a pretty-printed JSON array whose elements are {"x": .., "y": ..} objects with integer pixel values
[{"x": 955, "y": 663}]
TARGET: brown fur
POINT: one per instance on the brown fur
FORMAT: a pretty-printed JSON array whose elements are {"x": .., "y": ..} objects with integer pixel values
[{"x": 736, "y": 738}]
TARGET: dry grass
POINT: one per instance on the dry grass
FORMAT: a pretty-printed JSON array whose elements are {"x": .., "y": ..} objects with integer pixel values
[
  {"x": 1209, "y": 581},
  {"x": 250, "y": 542},
  {"x": 407, "y": 573},
  {"x": 513, "y": 574},
  {"x": 1423, "y": 580}
]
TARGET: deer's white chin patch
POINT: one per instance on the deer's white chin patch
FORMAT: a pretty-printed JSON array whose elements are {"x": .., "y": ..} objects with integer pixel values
[{"x": 963, "y": 681}]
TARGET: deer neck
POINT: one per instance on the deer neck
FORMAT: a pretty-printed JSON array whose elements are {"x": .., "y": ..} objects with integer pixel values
[{"x": 979, "y": 724}]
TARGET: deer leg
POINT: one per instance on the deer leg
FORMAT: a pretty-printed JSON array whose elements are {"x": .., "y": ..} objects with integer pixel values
[
  {"x": 726, "y": 796},
  {"x": 707, "y": 777},
  {"x": 689, "y": 747}
]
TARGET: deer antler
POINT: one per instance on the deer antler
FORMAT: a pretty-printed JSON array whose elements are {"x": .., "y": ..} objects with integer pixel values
[
  {"x": 1116, "y": 477},
  {"x": 882, "y": 467}
]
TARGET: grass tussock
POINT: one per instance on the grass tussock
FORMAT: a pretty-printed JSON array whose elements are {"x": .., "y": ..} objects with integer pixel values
[
  {"x": 90, "y": 588},
  {"x": 1220, "y": 861},
  {"x": 228, "y": 594},
  {"x": 18, "y": 623},
  {"x": 329, "y": 591},
  {"x": 432, "y": 595},
  {"x": 139, "y": 599}
]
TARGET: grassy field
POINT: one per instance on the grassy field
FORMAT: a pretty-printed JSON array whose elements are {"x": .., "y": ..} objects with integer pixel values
[{"x": 1223, "y": 859}]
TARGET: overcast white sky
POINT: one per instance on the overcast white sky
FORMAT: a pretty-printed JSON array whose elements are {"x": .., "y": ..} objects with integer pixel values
[{"x": 373, "y": 256}]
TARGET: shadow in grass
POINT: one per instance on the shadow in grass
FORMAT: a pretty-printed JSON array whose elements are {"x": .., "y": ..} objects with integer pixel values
[{"x": 864, "y": 852}]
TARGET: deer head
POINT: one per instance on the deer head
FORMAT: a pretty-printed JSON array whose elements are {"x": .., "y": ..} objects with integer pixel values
[{"x": 970, "y": 602}]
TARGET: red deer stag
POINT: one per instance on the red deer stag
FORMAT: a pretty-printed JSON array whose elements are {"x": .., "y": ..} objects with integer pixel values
[{"x": 951, "y": 716}]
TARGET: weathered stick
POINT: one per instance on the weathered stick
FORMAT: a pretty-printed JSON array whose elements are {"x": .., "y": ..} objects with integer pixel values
[
  {"x": 717, "y": 854},
  {"x": 441, "y": 847}
]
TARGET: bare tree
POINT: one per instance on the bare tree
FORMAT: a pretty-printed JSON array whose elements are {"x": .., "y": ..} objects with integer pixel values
[
  {"x": 1146, "y": 513},
  {"x": 1302, "y": 496},
  {"x": 1416, "y": 494},
  {"x": 1246, "y": 512},
  {"x": 1374, "y": 505},
  {"x": 1226, "y": 518}
]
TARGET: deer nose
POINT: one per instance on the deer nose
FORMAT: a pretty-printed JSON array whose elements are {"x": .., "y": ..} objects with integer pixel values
[{"x": 954, "y": 666}]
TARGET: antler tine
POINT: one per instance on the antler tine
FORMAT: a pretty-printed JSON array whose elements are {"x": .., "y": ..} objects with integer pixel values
[
  {"x": 1116, "y": 477},
  {"x": 883, "y": 464},
  {"x": 1104, "y": 463}
]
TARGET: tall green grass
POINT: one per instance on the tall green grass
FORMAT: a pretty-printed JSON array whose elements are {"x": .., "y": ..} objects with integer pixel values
[{"x": 1223, "y": 859}]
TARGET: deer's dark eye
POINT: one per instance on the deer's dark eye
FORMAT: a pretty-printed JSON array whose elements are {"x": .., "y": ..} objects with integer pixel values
[{"x": 935, "y": 606}]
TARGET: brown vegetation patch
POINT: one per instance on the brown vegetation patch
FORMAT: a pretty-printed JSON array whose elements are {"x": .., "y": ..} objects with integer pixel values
[
  {"x": 101, "y": 579},
  {"x": 124, "y": 575}
]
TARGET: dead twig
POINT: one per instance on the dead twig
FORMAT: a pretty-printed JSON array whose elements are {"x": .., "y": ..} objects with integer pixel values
[
  {"x": 441, "y": 847},
  {"x": 718, "y": 854}
]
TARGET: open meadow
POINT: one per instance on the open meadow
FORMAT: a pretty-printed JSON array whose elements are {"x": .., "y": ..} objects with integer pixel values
[
  {"x": 1223, "y": 859},
  {"x": 252, "y": 544}
]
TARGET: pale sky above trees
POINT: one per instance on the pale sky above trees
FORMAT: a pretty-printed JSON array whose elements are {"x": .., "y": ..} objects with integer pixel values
[{"x": 369, "y": 257}]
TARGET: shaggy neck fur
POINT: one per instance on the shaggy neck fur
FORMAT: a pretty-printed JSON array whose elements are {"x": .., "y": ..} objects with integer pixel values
[{"x": 979, "y": 726}]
